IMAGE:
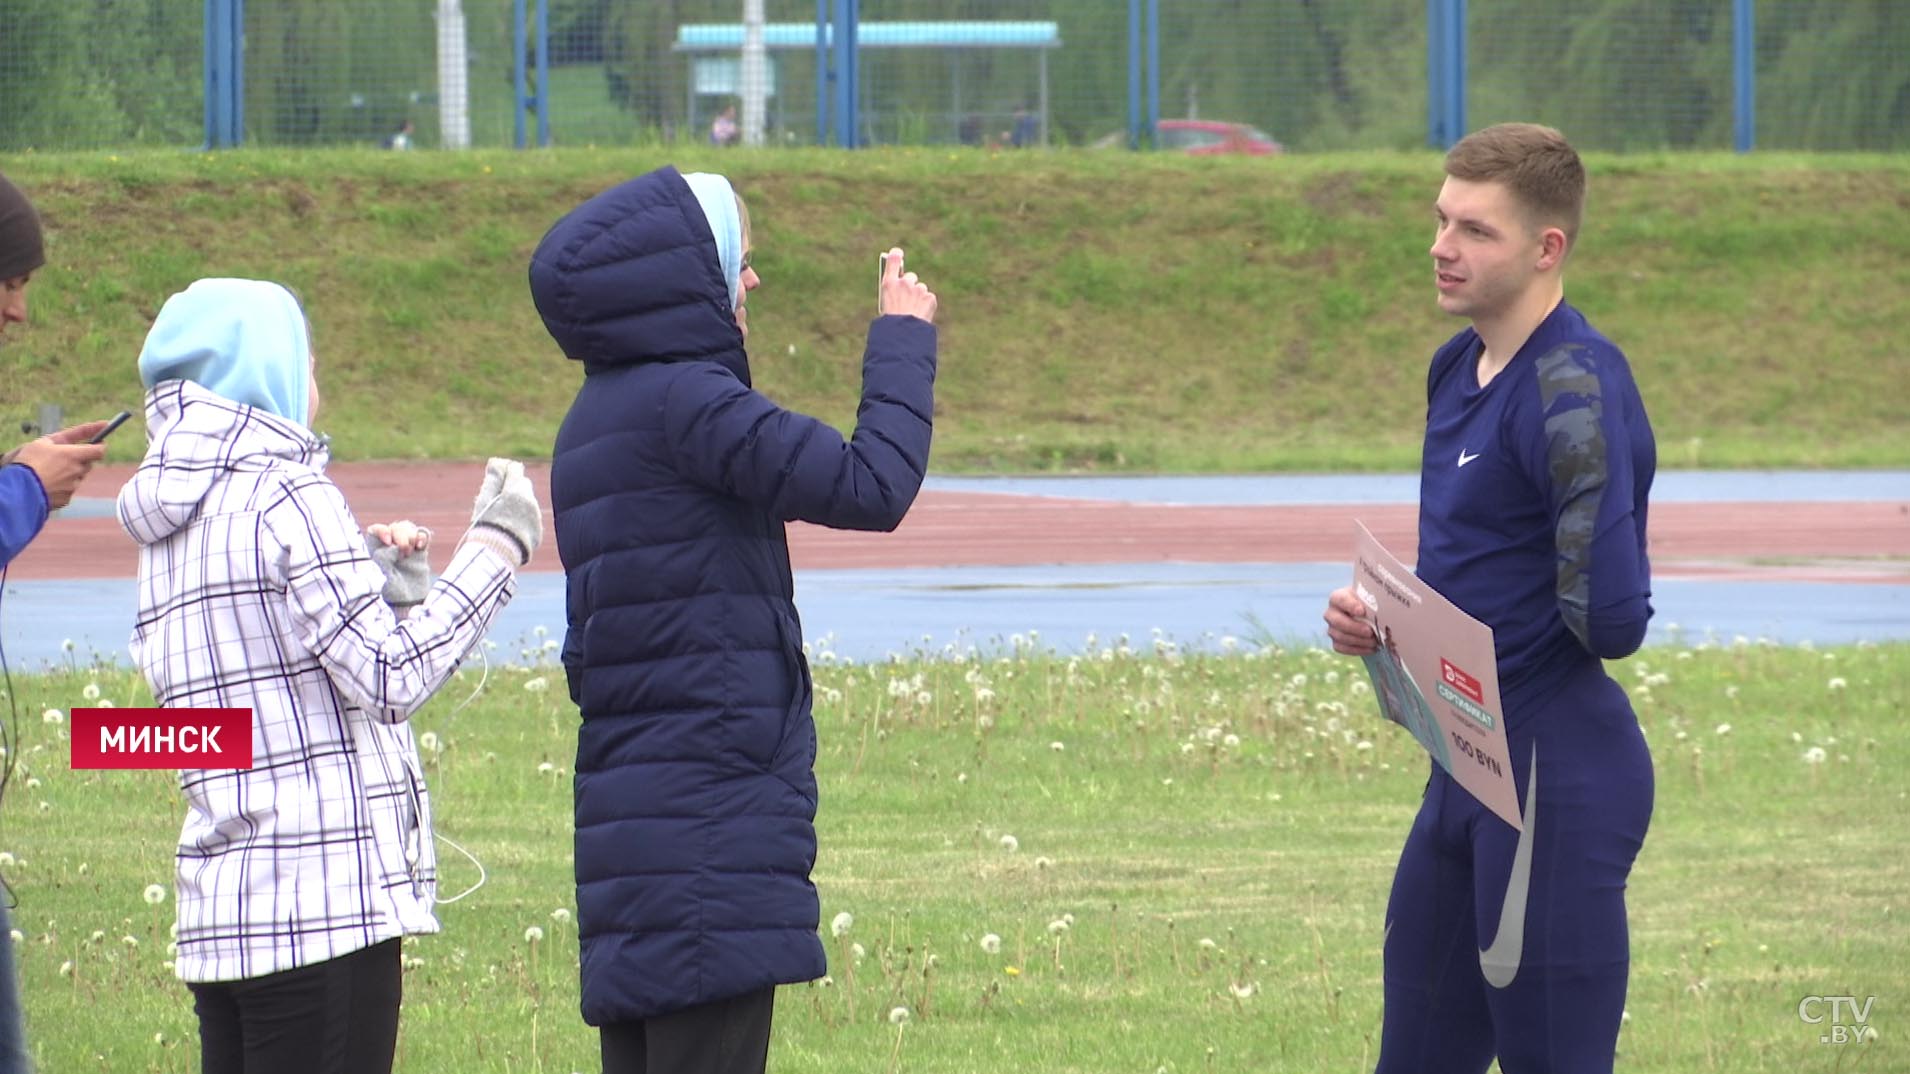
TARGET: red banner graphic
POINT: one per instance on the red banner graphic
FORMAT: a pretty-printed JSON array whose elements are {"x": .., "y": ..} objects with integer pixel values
[{"x": 162, "y": 738}]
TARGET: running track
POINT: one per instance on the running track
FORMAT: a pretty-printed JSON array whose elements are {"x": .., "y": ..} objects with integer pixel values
[{"x": 1849, "y": 542}]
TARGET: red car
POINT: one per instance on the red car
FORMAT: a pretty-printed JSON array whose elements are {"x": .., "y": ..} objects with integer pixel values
[{"x": 1211, "y": 137}]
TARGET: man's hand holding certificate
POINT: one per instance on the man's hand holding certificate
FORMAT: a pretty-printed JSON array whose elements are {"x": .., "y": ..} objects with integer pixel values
[{"x": 1436, "y": 675}]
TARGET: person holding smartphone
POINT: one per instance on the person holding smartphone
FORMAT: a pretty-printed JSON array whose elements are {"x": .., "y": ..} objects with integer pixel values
[
  {"x": 40, "y": 476},
  {"x": 36, "y": 479},
  {"x": 670, "y": 486}
]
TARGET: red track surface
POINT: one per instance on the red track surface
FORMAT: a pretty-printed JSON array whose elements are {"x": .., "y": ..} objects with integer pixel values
[{"x": 1838, "y": 542}]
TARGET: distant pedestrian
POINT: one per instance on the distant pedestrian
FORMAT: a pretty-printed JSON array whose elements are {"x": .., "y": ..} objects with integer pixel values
[
  {"x": 723, "y": 129},
  {"x": 400, "y": 138}
]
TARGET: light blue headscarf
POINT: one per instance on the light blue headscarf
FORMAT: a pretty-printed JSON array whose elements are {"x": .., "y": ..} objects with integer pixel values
[
  {"x": 244, "y": 339},
  {"x": 714, "y": 194}
]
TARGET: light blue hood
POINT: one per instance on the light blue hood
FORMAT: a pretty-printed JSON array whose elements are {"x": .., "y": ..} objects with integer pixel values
[
  {"x": 243, "y": 339},
  {"x": 718, "y": 199}
]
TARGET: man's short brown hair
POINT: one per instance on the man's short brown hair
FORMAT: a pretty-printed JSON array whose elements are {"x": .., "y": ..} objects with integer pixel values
[{"x": 1536, "y": 163}]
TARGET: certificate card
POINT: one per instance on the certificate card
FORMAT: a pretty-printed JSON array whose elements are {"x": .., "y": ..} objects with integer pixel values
[{"x": 1436, "y": 675}]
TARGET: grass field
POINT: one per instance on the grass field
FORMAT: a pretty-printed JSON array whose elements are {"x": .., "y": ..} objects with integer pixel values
[
  {"x": 1184, "y": 861},
  {"x": 1100, "y": 311}
]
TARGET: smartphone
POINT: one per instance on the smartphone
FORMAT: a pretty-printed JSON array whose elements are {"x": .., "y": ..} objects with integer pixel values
[
  {"x": 119, "y": 419},
  {"x": 881, "y": 273}
]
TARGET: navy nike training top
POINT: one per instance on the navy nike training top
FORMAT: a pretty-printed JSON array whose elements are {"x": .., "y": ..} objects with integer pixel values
[{"x": 1532, "y": 497}]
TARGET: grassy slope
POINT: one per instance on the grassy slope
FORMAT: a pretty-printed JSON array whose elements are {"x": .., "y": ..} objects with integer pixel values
[{"x": 1099, "y": 310}]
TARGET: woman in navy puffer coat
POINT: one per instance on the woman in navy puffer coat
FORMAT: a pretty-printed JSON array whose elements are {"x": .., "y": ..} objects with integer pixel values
[{"x": 672, "y": 479}]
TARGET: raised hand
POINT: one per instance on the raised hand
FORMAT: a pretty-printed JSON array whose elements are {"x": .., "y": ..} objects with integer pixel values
[{"x": 902, "y": 293}]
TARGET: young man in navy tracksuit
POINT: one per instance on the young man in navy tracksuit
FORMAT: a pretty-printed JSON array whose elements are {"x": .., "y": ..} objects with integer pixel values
[{"x": 1537, "y": 463}]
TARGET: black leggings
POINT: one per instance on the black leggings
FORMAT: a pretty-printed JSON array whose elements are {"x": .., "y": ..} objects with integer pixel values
[
  {"x": 729, "y": 1036},
  {"x": 339, "y": 1016}
]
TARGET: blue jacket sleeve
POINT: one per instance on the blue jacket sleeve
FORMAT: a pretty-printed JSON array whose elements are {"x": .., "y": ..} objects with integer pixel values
[
  {"x": 23, "y": 510},
  {"x": 1590, "y": 471},
  {"x": 730, "y": 438}
]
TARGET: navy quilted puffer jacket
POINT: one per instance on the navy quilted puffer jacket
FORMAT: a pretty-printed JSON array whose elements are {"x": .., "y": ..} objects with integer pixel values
[{"x": 672, "y": 479}]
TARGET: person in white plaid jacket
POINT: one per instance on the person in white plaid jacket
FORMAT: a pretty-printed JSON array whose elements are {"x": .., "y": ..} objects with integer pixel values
[{"x": 298, "y": 877}]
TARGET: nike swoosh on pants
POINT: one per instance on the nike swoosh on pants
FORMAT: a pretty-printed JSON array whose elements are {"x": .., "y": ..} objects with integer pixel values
[{"x": 1500, "y": 962}]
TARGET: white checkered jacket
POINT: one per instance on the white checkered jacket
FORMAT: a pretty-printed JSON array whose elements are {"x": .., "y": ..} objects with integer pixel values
[{"x": 255, "y": 592}]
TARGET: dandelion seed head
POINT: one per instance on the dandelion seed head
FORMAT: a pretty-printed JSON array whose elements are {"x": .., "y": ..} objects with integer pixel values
[
  {"x": 842, "y": 923},
  {"x": 857, "y": 951},
  {"x": 1241, "y": 990},
  {"x": 1057, "y": 927},
  {"x": 1057, "y": 746},
  {"x": 537, "y": 685},
  {"x": 155, "y": 894},
  {"x": 53, "y": 716},
  {"x": 1010, "y": 843},
  {"x": 1815, "y": 755},
  {"x": 534, "y": 934},
  {"x": 1838, "y": 683},
  {"x": 1724, "y": 729},
  {"x": 90, "y": 691},
  {"x": 991, "y": 943},
  {"x": 560, "y": 915},
  {"x": 898, "y": 1015}
]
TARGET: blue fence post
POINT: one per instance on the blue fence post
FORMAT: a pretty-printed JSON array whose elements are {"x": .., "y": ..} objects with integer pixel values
[
  {"x": 237, "y": 81},
  {"x": 848, "y": 62},
  {"x": 824, "y": 76},
  {"x": 1435, "y": 73},
  {"x": 1134, "y": 74},
  {"x": 1743, "y": 75},
  {"x": 543, "y": 73},
  {"x": 224, "y": 78},
  {"x": 1153, "y": 71},
  {"x": 1445, "y": 72},
  {"x": 1456, "y": 93},
  {"x": 519, "y": 92},
  {"x": 209, "y": 72}
]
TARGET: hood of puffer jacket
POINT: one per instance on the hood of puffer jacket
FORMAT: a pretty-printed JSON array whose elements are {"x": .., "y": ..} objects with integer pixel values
[
  {"x": 194, "y": 437},
  {"x": 634, "y": 275}
]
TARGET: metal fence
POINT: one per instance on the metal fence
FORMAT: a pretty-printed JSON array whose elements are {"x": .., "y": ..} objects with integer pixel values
[{"x": 1299, "y": 74}]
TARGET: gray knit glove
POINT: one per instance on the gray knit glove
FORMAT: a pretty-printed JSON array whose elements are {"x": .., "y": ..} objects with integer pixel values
[
  {"x": 407, "y": 572},
  {"x": 507, "y": 505}
]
